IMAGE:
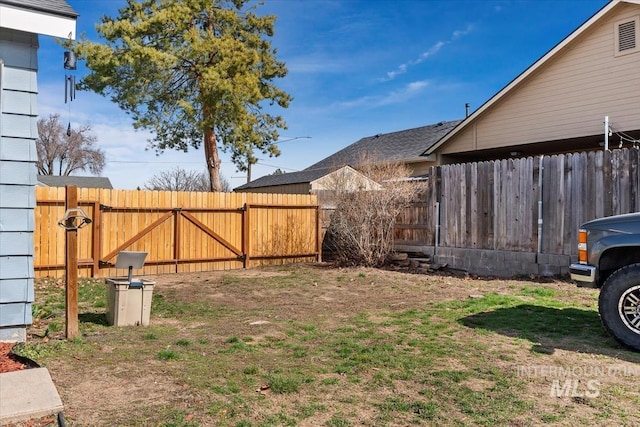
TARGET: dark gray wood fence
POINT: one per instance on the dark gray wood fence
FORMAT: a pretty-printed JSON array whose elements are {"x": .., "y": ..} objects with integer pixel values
[{"x": 533, "y": 204}]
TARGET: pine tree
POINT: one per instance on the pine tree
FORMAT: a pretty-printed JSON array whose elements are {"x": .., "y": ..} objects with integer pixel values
[{"x": 194, "y": 72}]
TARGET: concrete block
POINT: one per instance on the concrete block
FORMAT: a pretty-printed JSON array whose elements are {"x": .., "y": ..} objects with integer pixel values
[
  {"x": 28, "y": 394},
  {"x": 548, "y": 270},
  {"x": 13, "y": 334},
  {"x": 531, "y": 268},
  {"x": 542, "y": 258}
]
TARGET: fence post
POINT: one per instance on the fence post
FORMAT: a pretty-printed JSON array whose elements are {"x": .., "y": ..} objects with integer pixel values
[
  {"x": 96, "y": 230},
  {"x": 318, "y": 234},
  {"x": 177, "y": 237},
  {"x": 437, "y": 184},
  {"x": 71, "y": 267},
  {"x": 245, "y": 235}
]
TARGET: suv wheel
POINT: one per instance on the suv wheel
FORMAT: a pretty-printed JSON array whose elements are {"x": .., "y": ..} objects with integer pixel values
[{"x": 619, "y": 306}]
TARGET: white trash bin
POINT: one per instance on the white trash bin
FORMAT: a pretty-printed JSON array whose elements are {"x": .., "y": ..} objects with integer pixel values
[
  {"x": 129, "y": 299},
  {"x": 129, "y": 304}
]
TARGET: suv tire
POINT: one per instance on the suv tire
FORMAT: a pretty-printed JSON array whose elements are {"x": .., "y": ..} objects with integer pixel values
[{"x": 619, "y": 306}]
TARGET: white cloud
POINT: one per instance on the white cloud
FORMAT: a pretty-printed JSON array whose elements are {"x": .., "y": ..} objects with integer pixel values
[
  {"x": 394, "y": 97},
  {"x": 402, "y": 68},
  {"x": 430, "y": 52},
  {"x": 433, "y": 50},
  {"x": 461, "y": 33}
]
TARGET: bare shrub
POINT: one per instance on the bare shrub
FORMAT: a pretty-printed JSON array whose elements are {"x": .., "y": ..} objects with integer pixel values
[
  {"x": 361, "y": 227},
  {"x": 179, "y": 179}
]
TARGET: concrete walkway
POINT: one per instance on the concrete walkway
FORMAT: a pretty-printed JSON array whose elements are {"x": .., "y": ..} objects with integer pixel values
[{"x": 27, "y": 394}]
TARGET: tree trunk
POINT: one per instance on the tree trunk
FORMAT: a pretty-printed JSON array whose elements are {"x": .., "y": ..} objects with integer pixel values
[{"x": 213, "y": 159}]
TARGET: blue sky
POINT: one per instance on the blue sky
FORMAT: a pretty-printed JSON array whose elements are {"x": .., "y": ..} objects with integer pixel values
[{"x": 356, "y": 68}]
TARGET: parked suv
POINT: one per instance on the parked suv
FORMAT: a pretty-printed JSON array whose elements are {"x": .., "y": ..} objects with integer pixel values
[{"x": 609, "y": 259}]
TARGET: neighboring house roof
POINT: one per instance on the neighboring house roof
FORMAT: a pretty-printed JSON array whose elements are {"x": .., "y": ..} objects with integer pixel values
[
  {"x": 307, "y": 175},
  {"x": 403, "y": 146},
  {"x": 78, "y": 181},
  {"x": 57, "y": 7},
  {"x": 515, "y": 83}
]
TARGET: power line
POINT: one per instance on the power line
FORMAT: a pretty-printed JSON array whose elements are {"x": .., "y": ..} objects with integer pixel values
[{"x": 147, "y": 162}]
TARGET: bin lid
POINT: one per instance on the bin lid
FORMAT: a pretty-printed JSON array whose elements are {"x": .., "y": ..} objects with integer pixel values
[{"x": 130, "y": 259}]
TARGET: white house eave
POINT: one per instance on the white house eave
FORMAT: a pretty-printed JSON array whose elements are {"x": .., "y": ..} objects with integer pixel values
[
  {"x": 540, "y": 62},
  {"x": 419, "y": 159},
  {"x": 37, "y": 22}
]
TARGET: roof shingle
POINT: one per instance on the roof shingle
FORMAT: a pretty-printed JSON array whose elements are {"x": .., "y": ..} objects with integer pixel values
[
  {"x": 306, "y": 175},
  {"x": 56, "y": 7},
  {"x": 400, "y": 146},
  {"x": 404, "y": 145},
  {"x": 78, "y": 181}
]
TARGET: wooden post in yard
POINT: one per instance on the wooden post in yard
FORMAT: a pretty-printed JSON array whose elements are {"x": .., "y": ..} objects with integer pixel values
[{"x": 71, "y": 265}]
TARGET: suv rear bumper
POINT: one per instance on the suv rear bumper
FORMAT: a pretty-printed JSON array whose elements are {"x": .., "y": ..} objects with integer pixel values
[{"x": 584, "y": 275}]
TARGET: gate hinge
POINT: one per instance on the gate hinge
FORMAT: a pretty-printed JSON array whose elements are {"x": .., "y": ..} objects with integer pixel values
[
  {"x": 104, "y": 264},
  {"x": 105, "y": 208}
]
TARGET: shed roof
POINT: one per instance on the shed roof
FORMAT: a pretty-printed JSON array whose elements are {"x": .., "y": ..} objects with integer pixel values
[
  {"x": 307, "y": 175},
  {"x": 78, "y": 181},
  {"x": 56, "y": 7}
]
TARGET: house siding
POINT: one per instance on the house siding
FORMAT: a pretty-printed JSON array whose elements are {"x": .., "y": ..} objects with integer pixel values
[
  {"x": 300, "y": 188},
  {"x": 18, "y": 131},
  {"x": 419, "y": 168},
  {"x": 568, "y": 97}
]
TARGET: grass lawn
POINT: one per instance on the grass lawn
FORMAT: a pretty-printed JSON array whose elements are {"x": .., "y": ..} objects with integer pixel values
[{"x": 312, "y": 345}]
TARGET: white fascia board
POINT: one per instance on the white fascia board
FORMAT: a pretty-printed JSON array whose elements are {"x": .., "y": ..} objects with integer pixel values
[{"x": 37, "y": 22}]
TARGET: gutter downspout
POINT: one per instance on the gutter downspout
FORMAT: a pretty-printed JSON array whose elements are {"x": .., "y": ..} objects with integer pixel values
[
  {"x": 606, "y": 133},
  {"x": 437, "y": 224},
  {"x": 540, "y": 219}
]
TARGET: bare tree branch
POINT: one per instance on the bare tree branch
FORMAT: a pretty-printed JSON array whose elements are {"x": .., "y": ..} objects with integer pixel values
[
  {"x": 62, "y": 154},
  {"x": 179, "y": 179}
]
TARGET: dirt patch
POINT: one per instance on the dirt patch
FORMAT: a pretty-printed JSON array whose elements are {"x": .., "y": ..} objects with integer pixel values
[{"x": 120, "y": 374}]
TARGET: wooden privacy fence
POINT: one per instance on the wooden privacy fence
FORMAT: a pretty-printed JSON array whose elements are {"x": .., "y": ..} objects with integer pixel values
[
  {"x": 517, "y": 205},
  {"x": 181, "y": 231}
]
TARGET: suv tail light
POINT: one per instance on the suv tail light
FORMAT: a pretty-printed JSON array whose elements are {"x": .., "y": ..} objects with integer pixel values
[{"x": 582, "y": 246}]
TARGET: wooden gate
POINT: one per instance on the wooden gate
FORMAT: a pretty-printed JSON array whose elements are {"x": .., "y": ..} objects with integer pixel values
[
  {"x": 207, "y": 231},
  {"x": 176, "y": 217}
]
